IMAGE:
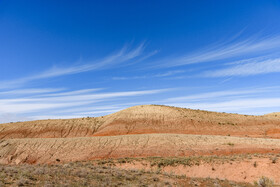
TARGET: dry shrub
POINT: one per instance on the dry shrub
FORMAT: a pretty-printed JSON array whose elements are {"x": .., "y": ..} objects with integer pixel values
[{"x": 265, "y": 182}]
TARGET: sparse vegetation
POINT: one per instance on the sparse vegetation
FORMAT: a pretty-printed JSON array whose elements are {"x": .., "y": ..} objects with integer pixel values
[
  {"x": 178, "y": 137},
  {"x": 255, "y": 164},
  {"x": 90, "y": 174},
  {"x": 265, "y": 182},
  {"x": 230, "y": 144},
  {"x": 185, "y": 161},
  {"x": 274, "y": 160}
]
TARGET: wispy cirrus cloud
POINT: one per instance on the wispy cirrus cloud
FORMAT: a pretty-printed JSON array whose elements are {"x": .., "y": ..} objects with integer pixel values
[
  {"x": 242, "y": 106},
  {"x": 30, "y": 91},
  {"x": 124, "y": 55},
  {"x": 96, "y": 108},
  {"x": 12, "y": 117},
  {"x": 247, "y": 101},
  {"x": 55, "y": 103},
  {"x": 250, "y": 67},
  {"x": 223, "y": 51},
  {"x": 75, "y": 92},
  {"x": 157, "y": 75},
  {"x": 224, "y": 93},
  {"x": 253, "y": 57}
]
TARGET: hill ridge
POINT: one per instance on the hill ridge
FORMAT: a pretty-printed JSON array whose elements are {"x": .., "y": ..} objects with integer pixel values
[{"x": 148, "y": 119}]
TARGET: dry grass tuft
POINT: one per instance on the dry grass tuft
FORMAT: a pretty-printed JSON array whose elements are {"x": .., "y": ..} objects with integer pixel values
[{"x": 91, "y": 174}]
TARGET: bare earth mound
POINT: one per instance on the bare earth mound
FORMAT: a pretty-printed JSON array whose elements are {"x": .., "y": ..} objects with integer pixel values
[
  {"x": 147, "y": 131},
  {"x": 147, "y": 119}
]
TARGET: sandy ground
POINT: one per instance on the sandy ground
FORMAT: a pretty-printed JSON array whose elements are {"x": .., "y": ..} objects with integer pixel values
[{"x": 247, "y": 170}]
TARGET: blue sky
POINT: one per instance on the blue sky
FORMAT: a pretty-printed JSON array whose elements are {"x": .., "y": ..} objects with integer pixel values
[{"x": 65, "y": 59}]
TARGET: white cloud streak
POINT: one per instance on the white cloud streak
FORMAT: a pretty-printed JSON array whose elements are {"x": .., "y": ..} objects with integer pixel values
[
  {"x": 92, "y": 108},
  {"x": 76, "y": 92},
  {"x": 11, "y": 117},
  {"x": 221, "y": 94},
  {"x": 240, "y": 105},
  {"x": 224, "y": 51},
  {"x": 124, "y": 55},
  {"x": 240, "y": 101},
  {"x": 41, "y": 117},
  {"x": 30, "y": 91},
  {"x": 159, "y": 75},
  {"x": 36, "y": 104},
  {"x": 246, "y": 69}
]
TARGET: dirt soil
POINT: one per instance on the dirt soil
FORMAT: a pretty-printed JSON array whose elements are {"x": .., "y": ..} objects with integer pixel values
[
  {"x": 239, "y": 170},
  {"x": 90, "y": 174},
  {"x": 147, "y": 119},
  {"x": 150, "y": 131}
]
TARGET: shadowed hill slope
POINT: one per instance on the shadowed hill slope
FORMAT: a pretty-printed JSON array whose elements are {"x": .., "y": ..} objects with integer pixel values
[{"x": 147, "y": 119}]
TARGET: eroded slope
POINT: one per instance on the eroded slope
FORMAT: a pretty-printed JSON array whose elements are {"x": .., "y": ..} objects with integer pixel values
[
  {"x": 163, "y": 119},
  {"x": 51, "y": 150},
  {"x": 146, "y": 119},
  {"x": 60, "y": 128}
]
